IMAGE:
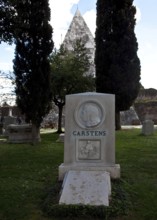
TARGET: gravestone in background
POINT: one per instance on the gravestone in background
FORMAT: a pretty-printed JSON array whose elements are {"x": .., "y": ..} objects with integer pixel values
[
  {"x": 19, "y": 133},
  {"x": 148, "y": 127},
  {"x": 89, "y": 143},
  {"x": 8, "y": 120}
]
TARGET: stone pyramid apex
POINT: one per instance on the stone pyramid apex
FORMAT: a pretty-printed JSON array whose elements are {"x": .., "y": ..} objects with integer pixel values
[
  {"x": 77, "y": 13},
  {"x": 78, "y": 29}
]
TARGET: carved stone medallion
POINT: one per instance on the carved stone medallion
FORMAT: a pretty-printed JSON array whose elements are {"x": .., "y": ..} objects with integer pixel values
[{"x": 89, "y": 114}]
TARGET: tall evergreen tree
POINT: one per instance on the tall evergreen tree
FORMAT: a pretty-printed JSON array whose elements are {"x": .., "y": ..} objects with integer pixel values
[
  {"x": 117, "y": 63},
  {"x": 31, "y": 64},
  {"x": 7, "y": 20}
]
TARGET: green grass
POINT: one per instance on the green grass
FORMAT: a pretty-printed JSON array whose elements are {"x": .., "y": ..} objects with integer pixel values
[
  {"x": 25, "y": 173},
  {"x": 137, "y": 155},
  {"x": 29, "y": 173}
]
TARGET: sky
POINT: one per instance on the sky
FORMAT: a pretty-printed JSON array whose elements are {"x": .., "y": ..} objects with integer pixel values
[{"x": 62, "y": 12}]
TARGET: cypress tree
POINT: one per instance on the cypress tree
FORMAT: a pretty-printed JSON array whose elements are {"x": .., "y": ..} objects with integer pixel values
[
  {"x": 31, "y": 64},
  {"x": 117, "y": 63},
  {"x": 7, "y": 21}
]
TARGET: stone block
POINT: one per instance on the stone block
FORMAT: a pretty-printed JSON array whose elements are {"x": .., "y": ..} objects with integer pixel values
[
  {"x": 20, "y": 133},
  {"x": 86, "y": 188}
]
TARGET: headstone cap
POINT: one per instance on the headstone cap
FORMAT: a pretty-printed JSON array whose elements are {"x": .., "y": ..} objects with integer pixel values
[{"x": 91, "y": 94}]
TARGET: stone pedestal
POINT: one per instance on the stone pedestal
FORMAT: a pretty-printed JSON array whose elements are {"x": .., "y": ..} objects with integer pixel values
[
  {"x": 114, "y": 170},
  {"x": 89, "y": 143}
]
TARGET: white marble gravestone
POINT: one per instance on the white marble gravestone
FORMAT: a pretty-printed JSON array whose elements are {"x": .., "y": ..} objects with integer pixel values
[{"x": 89, "y": 143}]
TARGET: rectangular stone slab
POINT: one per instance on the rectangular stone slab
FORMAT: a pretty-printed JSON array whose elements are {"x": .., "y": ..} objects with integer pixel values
[{"x": 86, "y": 188}]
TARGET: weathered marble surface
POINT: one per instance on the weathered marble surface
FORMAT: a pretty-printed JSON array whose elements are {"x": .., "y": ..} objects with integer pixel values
[
  {"x": 87, "y": 188},
  {"x": 89, "y": 142}
]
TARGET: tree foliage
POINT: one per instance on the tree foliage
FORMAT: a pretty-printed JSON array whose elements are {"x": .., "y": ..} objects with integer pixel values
[
  {"x": 117, "y": 63},
  {"x": 7, "y": 93},
  {"x": 31, "y": 64},
  {"x": 8, "y": 18},
  {"x": 70, "y": 74}
]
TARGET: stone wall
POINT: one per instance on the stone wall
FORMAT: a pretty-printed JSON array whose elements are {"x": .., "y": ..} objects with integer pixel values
[
  {"x": 129, "y": 117},
  {"x": 147, "y": 94},
  {"x": 146, "y": 110}
]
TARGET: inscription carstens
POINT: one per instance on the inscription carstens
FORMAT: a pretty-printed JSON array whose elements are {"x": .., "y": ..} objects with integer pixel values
[{"x": 89, "y": 133}]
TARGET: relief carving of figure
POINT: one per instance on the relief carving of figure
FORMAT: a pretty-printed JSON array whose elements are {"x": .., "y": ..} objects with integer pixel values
[
  {"x": 89, "y": 150},
  {"x": 90, "y": 115}
]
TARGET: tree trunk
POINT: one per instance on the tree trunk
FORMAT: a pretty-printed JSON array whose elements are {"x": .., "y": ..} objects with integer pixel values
[
  {"x": 118, "y": 125},
  {"x": 35, "y": 134},
  {"x": 60, "y": 110}
]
